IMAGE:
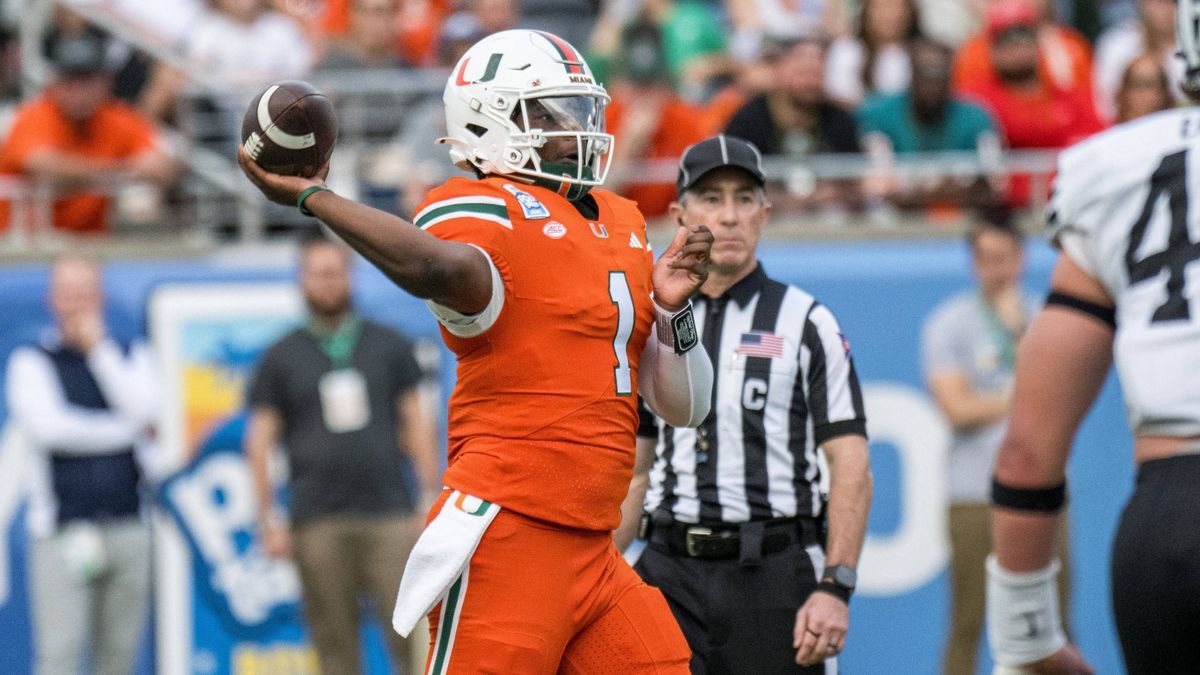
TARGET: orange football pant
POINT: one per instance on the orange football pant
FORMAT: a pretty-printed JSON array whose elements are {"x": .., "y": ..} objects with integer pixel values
[{"x": 541, "y": 599}]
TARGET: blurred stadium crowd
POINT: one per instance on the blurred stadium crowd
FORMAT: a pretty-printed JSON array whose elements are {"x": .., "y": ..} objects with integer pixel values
[{"x": 875, "y": 111}]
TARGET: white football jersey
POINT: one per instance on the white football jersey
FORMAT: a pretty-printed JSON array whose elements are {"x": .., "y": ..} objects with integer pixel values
[{"x": 1121, "y": 210}]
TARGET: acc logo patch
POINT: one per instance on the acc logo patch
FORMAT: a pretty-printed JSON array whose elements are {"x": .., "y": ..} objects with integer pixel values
[
  {"x": 555, "y": 230},
  {"x": 530, "y": 206}
]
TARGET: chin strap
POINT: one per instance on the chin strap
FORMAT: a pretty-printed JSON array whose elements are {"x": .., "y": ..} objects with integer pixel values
[{"x": 569, "y": 191}]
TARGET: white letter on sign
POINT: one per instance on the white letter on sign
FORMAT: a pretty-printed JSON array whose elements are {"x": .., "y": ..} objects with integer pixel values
[{"x": 917, "y": 551}]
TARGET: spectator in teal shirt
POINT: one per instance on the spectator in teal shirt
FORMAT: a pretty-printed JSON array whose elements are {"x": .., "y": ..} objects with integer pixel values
[{"x": 926, "y": 118}]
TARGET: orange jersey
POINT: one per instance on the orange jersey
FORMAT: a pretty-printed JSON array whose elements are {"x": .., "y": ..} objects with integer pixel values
[
  {"x": 114, "y": 133},
  {"x": 543, "y": 416}
]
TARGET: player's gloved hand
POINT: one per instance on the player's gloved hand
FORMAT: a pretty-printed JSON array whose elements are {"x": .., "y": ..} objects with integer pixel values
[
  {"x": 276, "y": 187},
  {"x": 821, "y": 626},
  {"x": 682, "y": 268}
]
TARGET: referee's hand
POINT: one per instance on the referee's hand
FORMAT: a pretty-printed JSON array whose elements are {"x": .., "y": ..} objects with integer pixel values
[{"x": 821, "y": 626}]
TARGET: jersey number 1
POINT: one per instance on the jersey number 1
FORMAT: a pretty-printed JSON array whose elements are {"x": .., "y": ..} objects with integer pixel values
[
  {"x": 618, "y": 292},
  {"x": 1170, "y": 178}
]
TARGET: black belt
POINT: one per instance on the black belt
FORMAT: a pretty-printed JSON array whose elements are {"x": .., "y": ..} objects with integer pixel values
[{"x": 723, "y": 541}]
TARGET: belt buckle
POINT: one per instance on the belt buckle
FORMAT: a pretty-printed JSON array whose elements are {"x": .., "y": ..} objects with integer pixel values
[{"x": 691, "y": 541}]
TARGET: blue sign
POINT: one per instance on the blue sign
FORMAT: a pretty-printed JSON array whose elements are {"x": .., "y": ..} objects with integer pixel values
[{"x": 251, "y": 593}]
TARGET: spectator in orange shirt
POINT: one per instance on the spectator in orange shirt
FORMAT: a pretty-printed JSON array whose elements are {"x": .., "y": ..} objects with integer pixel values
[
  {"x": 1033, "y": 109},
  {"x": 649, "y": 118},
  {"x": 1065, "y": 56},
  {"x": 76, "y": 135}
]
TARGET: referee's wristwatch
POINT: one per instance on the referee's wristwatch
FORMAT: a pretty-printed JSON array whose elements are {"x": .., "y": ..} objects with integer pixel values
[{"x": 839, "y": 581}]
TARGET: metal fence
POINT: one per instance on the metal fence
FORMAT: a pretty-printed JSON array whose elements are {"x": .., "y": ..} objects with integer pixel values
[{"x": 386, "y": 157}]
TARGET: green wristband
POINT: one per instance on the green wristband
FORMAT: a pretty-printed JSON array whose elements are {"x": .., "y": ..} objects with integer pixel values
[{"x": 304, "y": 197}]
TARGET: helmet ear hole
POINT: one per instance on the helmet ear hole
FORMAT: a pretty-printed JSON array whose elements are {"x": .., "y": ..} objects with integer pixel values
[{"x": 477, "y": 129}]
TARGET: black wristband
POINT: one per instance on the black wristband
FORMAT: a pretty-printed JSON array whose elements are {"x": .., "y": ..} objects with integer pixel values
[
  {"x": 683, "y": 326},
  {"x": 833, "y": 589},
  {"x": 1038, "y": 500}
]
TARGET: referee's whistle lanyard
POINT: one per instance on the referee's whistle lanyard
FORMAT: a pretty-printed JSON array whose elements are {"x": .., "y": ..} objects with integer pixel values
[
  {"x": 1002, "y": 337},
  {"x": 338, "y": 344}
]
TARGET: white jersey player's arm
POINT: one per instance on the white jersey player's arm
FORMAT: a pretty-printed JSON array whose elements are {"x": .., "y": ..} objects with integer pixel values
[
  {"x": 677, "y": 387},
  {"x": 1061, "y": 364}
]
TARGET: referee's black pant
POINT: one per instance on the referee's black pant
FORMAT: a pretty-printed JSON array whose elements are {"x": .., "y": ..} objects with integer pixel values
[
  {"x": 738, "y": 613},
  {"x": 1156, "y": 569}
]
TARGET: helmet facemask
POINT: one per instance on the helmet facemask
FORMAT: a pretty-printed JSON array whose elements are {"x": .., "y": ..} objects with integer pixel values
[{"x": 559, "y": 141}]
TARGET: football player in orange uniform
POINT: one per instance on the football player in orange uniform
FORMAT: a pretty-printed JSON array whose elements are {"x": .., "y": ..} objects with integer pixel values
[{"x": 548, "y": 293}]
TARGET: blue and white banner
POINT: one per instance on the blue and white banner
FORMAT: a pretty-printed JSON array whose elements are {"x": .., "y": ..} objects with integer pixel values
[{"x": 224, "y": 606}]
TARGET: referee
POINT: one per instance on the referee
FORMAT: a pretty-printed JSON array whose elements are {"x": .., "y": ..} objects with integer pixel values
[{"x": 733, "y": 510}]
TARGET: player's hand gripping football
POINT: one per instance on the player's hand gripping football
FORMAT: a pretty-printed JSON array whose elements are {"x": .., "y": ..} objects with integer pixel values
[
  {"x": 682, "y": 268},
  {"x": 276, "y": 187}
]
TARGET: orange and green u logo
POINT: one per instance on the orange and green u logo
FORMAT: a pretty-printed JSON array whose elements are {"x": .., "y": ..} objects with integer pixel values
[{"x": 484, "y": 505}]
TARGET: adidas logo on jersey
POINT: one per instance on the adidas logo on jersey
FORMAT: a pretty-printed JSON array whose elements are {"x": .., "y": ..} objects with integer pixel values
[{"x": 634, "y": 242}]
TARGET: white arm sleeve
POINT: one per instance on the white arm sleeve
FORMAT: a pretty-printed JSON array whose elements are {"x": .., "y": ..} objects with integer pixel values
[
  {"x": 677, "y": 387},
  {"x": 473, "y": 325},
  {"x": 36, "y": 402},
  {"x": 128, "y": 382}
]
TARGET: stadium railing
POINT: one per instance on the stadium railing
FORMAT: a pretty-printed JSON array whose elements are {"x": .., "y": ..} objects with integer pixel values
[{"x": 214, "y": 205}]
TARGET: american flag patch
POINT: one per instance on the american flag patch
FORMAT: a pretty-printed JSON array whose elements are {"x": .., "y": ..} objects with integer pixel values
[
  {"x": 766, "y": 345},
  {"x": 845, "y": 343}
]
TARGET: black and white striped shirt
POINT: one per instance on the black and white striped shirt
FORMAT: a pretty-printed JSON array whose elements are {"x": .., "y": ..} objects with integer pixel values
[{"x": 785, "y": 384}]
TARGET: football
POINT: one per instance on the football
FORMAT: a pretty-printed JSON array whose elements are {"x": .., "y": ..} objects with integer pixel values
[{"x": 290, "y": 128}]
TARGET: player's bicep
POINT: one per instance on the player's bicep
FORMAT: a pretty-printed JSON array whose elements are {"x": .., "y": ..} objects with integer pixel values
[
  {"x": 473, "y": 298},
  {"x": 1062, "y": 362},
  {"x": 1074, "y": 281}
]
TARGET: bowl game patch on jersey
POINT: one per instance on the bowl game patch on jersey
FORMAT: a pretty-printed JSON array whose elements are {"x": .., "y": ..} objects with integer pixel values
[{"x": 531, "y": 208}]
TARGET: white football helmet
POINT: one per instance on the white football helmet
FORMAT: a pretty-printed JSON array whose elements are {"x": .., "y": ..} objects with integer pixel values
[
  {"x": 1187, "y": 14},
  {"x": 523, "y": 103}
]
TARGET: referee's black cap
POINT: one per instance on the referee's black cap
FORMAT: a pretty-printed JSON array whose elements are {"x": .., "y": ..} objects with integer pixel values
[{"x": 714, "y": 153}]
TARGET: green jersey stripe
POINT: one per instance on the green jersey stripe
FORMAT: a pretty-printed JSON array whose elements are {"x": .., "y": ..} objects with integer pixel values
[
  {"x": 449, "y": 618},
  {"x": 467, "y": 210}
]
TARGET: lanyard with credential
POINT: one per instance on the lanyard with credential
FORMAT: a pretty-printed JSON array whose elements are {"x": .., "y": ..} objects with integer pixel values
[
  {"x": 338, "y": 344},
  {"x": 1002, "y": 338}
]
